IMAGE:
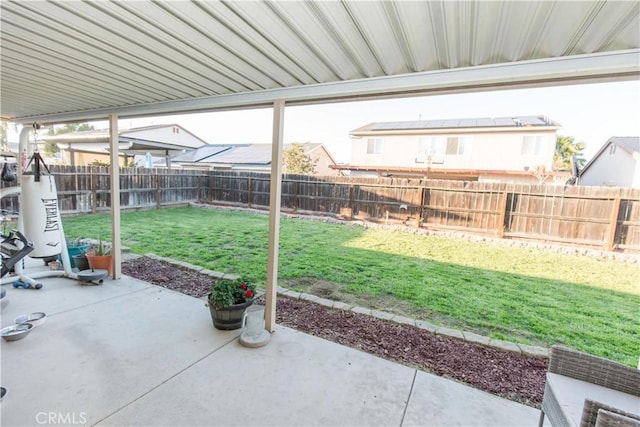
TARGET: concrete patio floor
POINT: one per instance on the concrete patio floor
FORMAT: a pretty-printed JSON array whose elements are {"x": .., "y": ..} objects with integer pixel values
[{"x": 131, "y": 353}]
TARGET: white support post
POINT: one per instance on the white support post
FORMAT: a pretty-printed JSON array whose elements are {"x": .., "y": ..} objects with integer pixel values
[
  {"x": 115, "y": 196},
  {"x": 274, "y": 214}
]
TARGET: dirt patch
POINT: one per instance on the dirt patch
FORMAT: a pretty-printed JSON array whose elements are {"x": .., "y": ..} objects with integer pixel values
[
  {"x": 321, "y": 288},
  {"x": 325, "y": 290},
  {"x": 507, "y": 374},
  {"x": 385, "y": 302}
]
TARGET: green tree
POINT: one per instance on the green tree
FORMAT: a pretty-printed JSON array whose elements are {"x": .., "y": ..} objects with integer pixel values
[
  {"x": 99, "y": 163},
  {"x": 297, "y": 162},
  {"x": 50, "y": 147},
  {"x": 566, "y": 149},
  {"x": 70, "y": 127}
]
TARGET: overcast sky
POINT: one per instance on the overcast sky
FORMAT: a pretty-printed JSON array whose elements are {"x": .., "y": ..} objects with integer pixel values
[{"x": 590, "y": 113}]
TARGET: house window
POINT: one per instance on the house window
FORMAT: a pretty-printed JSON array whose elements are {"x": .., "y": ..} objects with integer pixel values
[
  {"x": 458, "y": 145},
  {"x": 431, "y": 146},
  {"x": 441, "y": 145},
  {"x": 532, "y": 145},
  {"x": 374, "y": 146},
  {"x": 422, "y": 148}
]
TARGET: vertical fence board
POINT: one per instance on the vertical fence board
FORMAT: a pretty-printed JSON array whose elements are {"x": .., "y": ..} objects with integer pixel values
[{"x": 613, "y": 224}]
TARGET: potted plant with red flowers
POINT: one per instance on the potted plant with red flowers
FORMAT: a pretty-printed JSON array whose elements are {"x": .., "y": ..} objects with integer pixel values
[{"x": 228, "y": 300}]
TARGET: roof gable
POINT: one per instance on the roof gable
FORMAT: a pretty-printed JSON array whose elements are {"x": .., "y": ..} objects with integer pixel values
[
  {"x": 102, "y": 135},
  {"x": 630, "y": 144},
  {"x": 159, "y": 140}
]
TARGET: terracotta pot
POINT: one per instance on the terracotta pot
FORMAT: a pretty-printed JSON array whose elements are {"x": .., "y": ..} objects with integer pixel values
[
  {"x": 229, "y": 318},
  {"x": 101, "y": 262}
]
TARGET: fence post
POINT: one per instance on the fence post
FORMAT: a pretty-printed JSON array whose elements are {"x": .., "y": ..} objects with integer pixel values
[
  {"x": 613, "y": 224},
  {"x": 351, "y": 189},
  {"x": 424, "y": 210},
  {"x": 212, "y": 186},
  {"x": 250, "y": 189},
  {"x": 158, "y": 195},
  {"x": 199, "y": 195},
  {"x": 207, "y": 187},
  {"x": 94, "y": 195},
  {"x": 315, "y": 193},
  {"x": 423, "y": 190},
  {"x": 502, "y": 213},
  {"x": 76, "y": 204}
]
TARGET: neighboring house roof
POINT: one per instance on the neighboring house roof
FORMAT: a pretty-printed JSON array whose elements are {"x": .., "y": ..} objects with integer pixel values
[
  {"x": 200, "y": 153},
  {"x": 129, "y": 140},
  {"x": 630, "y": 144},
  {"x": 473, "y": 123},
  {"x": 253, "y": 154},
  {"x": 237, "y": 154},
  {"x": 152, "y": 127}
]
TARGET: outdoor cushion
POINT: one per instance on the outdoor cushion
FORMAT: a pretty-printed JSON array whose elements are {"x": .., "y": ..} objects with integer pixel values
[
  {"x": 612, "y": 419},
  {"x": 571, "y": 394}
]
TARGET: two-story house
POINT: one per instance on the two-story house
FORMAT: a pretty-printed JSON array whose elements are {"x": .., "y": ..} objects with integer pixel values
[{"x": 515, "y": 149}]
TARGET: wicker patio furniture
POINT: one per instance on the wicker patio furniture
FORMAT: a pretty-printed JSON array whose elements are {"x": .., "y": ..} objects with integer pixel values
[
  {"x": 611, "y": 419},
  {"x": 585, "y": 390}
]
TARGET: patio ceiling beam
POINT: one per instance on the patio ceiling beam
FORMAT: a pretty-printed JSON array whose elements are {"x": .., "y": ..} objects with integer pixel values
[
  {"x": 588, "y": 68},
  {"x": 275, "y": 193}
]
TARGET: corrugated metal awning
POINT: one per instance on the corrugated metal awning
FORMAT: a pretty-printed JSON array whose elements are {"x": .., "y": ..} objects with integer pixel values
[{"x": 84, "y": 60}]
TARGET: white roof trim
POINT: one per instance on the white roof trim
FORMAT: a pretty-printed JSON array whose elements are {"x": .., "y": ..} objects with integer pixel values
[{"x": 617, "y": 65}]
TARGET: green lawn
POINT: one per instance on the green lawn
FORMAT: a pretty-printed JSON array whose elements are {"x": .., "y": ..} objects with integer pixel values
[{"x": 518, "y": 294}]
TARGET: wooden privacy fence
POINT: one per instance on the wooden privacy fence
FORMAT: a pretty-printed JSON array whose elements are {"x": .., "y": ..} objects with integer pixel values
[
  {"x": 590, "y": 216},
  {"x": 86, "y": 189}
]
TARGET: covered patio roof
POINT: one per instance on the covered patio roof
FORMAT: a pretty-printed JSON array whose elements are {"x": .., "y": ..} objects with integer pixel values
[
  {"x": 71, "y": 61},
  {"x": 79, "y": 61}
]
